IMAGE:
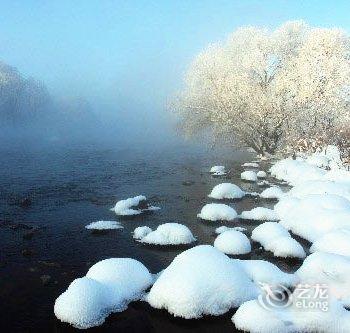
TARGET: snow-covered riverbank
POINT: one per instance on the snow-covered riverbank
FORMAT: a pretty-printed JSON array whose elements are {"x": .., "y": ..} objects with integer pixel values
[{"x": 204, "y": 281}]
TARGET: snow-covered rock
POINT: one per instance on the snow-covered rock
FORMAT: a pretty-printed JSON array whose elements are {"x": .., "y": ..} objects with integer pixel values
[
  {"x": 223, "y": 228},
  {"x": 109, "y": 286},
  {"x": 328, "y": 269},
  {"x": 273, "y": 192},
  {"x": 250, "y": 165},
  {"x": 201, "y": 281},
  {"x": 104, "y": 225},
  {"x": 217, "y": 212},
  {"x": 249, "y": 176},
  {"x": 260, "y": 214},
  {"x": 141, "y": 232},
  {"x": 169, "y": 234},
  {"x": 337, "y": 241},
  {"x": 261, "y": 271},
  {"x": 261, "y": 174},
  {"x": 273, "y": 237},
  {"x": 218, "y": 170},
  {"x": 253, "y": 317},
  {"x": 313, "y": 216},
  {"x": 130, "y": 206},
  {"x": 232, "y": 242},
  {"x": 226, "y": 191}
]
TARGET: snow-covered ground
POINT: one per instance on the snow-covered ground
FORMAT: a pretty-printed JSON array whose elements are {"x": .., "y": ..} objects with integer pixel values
[{"x": 249, "y": 176}]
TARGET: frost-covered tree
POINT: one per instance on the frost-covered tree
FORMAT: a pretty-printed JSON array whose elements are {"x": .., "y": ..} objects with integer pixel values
[{"x": 267, "y": 89}]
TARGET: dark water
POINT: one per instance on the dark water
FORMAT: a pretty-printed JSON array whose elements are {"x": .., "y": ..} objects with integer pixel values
[{"x": 45, "y": 246}]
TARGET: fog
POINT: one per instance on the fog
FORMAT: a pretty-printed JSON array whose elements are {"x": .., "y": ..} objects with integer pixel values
[{"x": 105, "y": 71}]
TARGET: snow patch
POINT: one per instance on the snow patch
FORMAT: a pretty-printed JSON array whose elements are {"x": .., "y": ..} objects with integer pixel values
[
  {"x": 260, "y": 214},
  {"x": 104, "y": 225},
  {"x": 130, "y": 206}
]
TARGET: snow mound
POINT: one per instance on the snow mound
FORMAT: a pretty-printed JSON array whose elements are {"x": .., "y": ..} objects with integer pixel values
[
  {"x": 104, "y": 225},
  {"x": 261, "y": 271},
  {"x": 226, "y": 191},
  {"x": 141, "y": 232},
  {"x": 217, "y": 212},
  {"x": 255, "y": 318},
  {"x": 250, "y": 165},
  {"x": 232, "y": 242},
  {"x": 218, "y": 170},
  {"x": 261, "y": 174},
  {"x": 337, "y": 242},
  {"x": 223, "y": 228},
  {"x": 296, "y": 171},
  {"x": 169, "y": 234},
  {"x": 321, "y": 187},
  {"x": 330, "y": 269},
  {"x": 313, "y": 216},
  {"x": 249, "y": 176},
  {"x": 201, "y": 281},
  {"x": 273, "y": 192},
  {"x": 260, "y": 214},
  {"x": 131, "y": 206},
  {"x": 109, "y": 286},
  {"x": 273, "y": 237}
]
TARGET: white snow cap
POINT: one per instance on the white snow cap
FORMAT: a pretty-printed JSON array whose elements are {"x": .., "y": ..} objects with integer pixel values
[
  {"x": 104, "y": 225},
  {"x": 321, "y": 187},
  {"x": 261, "y": 271},
  {"x": 273, "y": 192},
  {"x": 273, "y": 237},
  {"x": 109, "y": 286},
  {"x": 217, "y": 212},
  {"x": 337, "y": 241},
  {"x": 226, "y": 191},
  {"x": 250, "y": 165},
  {"x": 169, "y": 234},
  {"x": 124, "y": 207},
  {"x": 232, "y": 242},
  {"x": 141, "y": 232},
  {"x": 249, "y": 176},
  {"x": 253, "y": 317},
  {"x": 218, "y": 170},
  {"x": 261, "y": 174},
  {"x": 201, "y": 281},
  {"x": 312, "y": 216},
  {"x": 330, "y": 269},
  {"x": 260, "y": 214},
  {"x": 223, "y": 228}
]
